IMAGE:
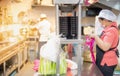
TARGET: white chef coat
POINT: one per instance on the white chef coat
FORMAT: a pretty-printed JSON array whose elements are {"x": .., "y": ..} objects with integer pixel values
[{"x": 44, "y": 30}]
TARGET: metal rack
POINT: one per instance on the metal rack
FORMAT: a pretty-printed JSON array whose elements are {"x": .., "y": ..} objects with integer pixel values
[
  {"x": 73, "y": 6},
  {"x": 32, "y": 47}
]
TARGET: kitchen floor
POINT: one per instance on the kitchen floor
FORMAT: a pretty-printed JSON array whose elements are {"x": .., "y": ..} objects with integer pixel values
[{"x": 26, "y": 70}]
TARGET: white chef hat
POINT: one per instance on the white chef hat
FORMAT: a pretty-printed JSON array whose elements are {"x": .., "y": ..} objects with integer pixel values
[
  {"x": 107, "y": 14},
  {"x": 43, "y": 15}
]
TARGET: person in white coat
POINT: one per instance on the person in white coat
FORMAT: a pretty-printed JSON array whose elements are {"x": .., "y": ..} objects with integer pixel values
[{"x": 44, "y": 28}]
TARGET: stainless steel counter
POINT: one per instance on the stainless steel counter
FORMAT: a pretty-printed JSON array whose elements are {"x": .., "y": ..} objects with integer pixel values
[
  {"x": 87, "y": 69},
  {"x": 90, "y": 69}
]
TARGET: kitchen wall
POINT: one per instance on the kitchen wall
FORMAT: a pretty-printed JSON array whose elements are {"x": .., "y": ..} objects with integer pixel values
[
  {"x": 49, "y": 11},
  {"x": 25, "y": 5},
  {"x": 34, "y": 11},
  {"x": 14, "y": 8}
]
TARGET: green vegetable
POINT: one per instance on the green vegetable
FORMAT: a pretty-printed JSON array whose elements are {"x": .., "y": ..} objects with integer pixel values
[{"x": 48, "y": 67}]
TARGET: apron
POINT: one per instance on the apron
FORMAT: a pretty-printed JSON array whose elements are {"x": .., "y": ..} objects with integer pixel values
[
  {"x": 106, "y": 70},
  {"x": 99, "y": 55}
]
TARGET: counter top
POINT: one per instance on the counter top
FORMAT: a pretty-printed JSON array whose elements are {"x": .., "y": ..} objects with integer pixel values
[
  {"x": 90, "y": 69},
  {"x": 87, "y": 69},
  {"x": 7, "y": 50},
  {"x": 7, "y": 45}
]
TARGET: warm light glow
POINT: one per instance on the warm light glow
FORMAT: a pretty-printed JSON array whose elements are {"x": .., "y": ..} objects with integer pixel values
[
  {"x": 13, "y": 39},
  {"x": 92, "y": 1},
  {"x": 16, "y": 29}
]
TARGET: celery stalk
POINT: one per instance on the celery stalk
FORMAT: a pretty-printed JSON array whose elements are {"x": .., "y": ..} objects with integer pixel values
[{"x": 48, "y": 67}]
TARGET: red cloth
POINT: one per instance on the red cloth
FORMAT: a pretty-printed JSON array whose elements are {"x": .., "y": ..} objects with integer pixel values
[
  {"x": 70, "y": 47},
  {"x": 90, "y": 43},
  {"x": 36, "y": 65}
]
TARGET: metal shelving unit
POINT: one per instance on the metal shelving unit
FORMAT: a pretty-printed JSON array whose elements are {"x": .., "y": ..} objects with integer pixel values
[
  {"x": 32, "y": 47},
  {"x": 69, "y": 6}
]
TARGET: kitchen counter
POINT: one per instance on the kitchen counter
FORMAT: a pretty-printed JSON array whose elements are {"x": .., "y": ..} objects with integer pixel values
[
  {"x": 12, "y": 56},
  {"x": 8, "y": 50},
  {"x": 87, "y": 69}
]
